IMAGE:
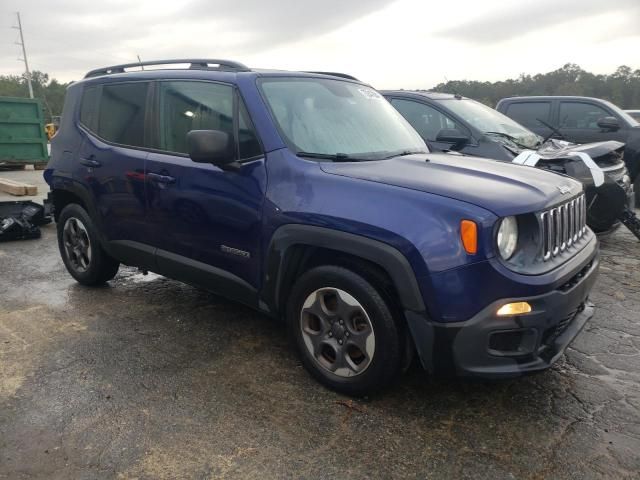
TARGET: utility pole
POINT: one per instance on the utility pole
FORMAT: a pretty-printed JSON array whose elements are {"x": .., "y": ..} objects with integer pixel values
[{"x": 24, "y": 55}]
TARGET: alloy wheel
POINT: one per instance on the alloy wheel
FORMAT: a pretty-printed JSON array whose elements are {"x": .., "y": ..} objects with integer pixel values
[
  {"x": 337, "y": 332},
  {"x": 77, "y": 244}
]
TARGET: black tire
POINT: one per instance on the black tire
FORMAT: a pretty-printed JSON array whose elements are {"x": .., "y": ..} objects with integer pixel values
[
  {"x": 385, "y": 363},
  {"x": 96, "y": 268},
  {"x": 636, "y": 187}
]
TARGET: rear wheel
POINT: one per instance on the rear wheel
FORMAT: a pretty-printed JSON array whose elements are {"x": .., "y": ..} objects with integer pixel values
[
  {"x": 344, "y": 331},
  {"x": 80, "y": 248}
]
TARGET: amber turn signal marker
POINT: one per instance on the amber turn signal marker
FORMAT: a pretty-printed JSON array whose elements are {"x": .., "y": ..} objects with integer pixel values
[
  {"x": 469, "y": 236},
  {"x": 516, "y": 308}
]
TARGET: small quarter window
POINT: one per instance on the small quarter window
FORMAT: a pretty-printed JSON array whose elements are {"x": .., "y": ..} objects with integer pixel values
[{"x": 248, "y": 143}]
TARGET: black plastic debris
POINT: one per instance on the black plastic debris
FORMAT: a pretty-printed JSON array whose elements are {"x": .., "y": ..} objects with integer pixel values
[{"x": 22, "y": 220}]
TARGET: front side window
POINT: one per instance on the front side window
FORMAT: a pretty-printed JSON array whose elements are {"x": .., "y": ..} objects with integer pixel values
[
  {"x": 121, "y": 114},
  {"x": 425, "y": 119},
  {"x": 528, "y": 113},
  {"x": 334, "y": 117},
  {"x": 491, "y": 122},
  {"x": 186, "y": 106},
  {"x": 581, "y": 115}
]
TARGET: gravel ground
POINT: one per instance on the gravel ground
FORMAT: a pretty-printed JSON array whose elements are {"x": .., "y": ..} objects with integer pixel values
[{"x": 149, "y": 378}]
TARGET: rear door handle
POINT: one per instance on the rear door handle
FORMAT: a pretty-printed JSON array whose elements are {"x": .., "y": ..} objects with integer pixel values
[
  {"x": 166, "y": 179},
  {"x": 90, "y": 161}
]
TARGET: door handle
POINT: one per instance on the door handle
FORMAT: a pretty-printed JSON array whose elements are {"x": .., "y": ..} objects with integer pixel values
[
  {"x": 166, "y": 179},
  {"x": 90, "y": 161}
]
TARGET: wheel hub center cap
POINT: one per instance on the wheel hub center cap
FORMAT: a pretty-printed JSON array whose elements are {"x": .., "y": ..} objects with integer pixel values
[{"x": 337, "y": 330}]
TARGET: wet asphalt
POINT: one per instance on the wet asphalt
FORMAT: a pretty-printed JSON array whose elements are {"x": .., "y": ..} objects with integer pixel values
[{"x": 150, "y": 378}]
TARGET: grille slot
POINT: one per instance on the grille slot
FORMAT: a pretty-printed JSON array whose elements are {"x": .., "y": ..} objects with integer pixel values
[{"x": 562, "y": 226}]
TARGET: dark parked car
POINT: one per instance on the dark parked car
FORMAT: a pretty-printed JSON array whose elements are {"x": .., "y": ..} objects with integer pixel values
[
  {"x": 308, "y": 197},
  {"x": 454, "y": 123},
  {"x": 579, "y": 120}
]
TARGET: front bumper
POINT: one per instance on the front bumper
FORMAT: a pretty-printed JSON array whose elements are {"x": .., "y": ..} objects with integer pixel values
[{"x": 489, "y": 346}]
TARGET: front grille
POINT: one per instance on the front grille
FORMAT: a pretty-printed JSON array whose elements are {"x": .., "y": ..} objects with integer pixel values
[{"x": 562, "y": 226}]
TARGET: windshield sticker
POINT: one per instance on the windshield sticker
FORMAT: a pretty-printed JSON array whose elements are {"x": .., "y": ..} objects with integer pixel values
[{"x": 370, "y": 94}]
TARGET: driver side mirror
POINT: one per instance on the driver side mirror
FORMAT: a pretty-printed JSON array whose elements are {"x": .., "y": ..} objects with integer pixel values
[
  {"x": 454, "y": 136},
  {"x": 609, "y": 124},
  {"x": 212, "y": 146}
]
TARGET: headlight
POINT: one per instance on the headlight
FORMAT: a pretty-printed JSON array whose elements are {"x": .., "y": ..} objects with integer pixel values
[{"x": 507, "y": 237}]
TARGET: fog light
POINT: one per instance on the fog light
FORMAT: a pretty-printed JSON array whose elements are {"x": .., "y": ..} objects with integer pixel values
[{"x": 516, "y": 308}]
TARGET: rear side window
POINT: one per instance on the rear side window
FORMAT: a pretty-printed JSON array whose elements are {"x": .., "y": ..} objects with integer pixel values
[
  {"x": 528, "y": 113},
  {"x": 121, "y": 113},
  {"x": 186, "y": 106},
  {"x": 581, "y": 115},
  {"x": 425, "y": 119}
]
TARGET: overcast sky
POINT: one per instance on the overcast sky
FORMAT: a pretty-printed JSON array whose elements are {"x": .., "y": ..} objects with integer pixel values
[{"x": 388, "y": 43}]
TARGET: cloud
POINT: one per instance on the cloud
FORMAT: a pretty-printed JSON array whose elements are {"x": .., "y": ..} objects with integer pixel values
[
  {"x": 78, "y": 35},
  {"x": 520, "y": 18}
]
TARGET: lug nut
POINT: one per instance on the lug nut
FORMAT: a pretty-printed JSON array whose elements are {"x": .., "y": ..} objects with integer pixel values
[
  {"x": 331, "y": 334},
  {"x": 340, "y": 342},
  {"x": 347, "y": 334},
  {"x": 341, "y": 322}
]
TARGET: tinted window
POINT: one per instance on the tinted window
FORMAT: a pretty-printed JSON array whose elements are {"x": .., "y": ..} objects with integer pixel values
[
  {"x": 89, "y": 108},
  {"x": 122, "y": 112},
  {"x": 528, "y": 113},
  {"x": 248, "y": 143},
  {"x": 581, "y": 115},
  {"x": 186, "y": 106},
  {"x": 425, "y": 119}
]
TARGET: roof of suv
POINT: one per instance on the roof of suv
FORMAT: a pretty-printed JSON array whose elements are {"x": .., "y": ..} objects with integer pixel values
[
  {"x": 424, "y": 93},
  {"x": 552, "y": 97},
  {"x": 195, "y": 66}
]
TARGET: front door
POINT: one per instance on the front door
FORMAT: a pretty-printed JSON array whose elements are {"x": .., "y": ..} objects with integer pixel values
[{"x": 204, "y": 219}]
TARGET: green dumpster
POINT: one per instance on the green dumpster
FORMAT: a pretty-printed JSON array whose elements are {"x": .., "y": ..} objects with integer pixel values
[{"x": 22, "y": 136}]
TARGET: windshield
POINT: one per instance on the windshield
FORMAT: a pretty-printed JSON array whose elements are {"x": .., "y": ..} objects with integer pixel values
[
  {"x": 490, "y": 121},
  {"x": 338, "y": 119}
]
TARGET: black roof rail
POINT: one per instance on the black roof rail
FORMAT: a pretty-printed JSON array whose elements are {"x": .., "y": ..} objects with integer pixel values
[
  {"x": 195, "y": 64},
  {"x": 337, "y": 74}
]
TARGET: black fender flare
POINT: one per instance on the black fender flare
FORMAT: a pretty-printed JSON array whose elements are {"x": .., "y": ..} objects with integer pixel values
[{"x": 382, "y": 254}]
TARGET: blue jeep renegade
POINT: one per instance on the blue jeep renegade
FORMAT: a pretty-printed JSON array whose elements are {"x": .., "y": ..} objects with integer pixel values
[{"x": 308, "y": 197}]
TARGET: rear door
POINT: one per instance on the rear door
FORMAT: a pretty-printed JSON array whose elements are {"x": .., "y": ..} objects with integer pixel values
[
  {"x": 578, "y": 122},
  {"x": 202, "y": 217},
  {"x": 111, "y": 159}
]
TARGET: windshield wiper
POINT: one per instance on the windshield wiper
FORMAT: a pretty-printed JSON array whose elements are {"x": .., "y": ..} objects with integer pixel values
[
  {"x": 403, "y": 153},
  {"x": 337, "y": 157},
  {"x": 510, "y": 137},
  {"x": 553, "y": 129}
]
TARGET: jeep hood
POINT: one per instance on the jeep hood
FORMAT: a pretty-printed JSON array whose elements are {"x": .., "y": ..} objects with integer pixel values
[{"x": 501, "y": 187}]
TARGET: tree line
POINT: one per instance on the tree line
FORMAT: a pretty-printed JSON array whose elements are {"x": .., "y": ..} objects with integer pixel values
[
  {"x": 621, "y": 87},
  {"x": 49, "y": 91}
]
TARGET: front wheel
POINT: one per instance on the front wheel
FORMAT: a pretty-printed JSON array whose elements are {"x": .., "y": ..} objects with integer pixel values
[
  {"x": 344, "y": 331},
  {"x": 80, "y": 248}
]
